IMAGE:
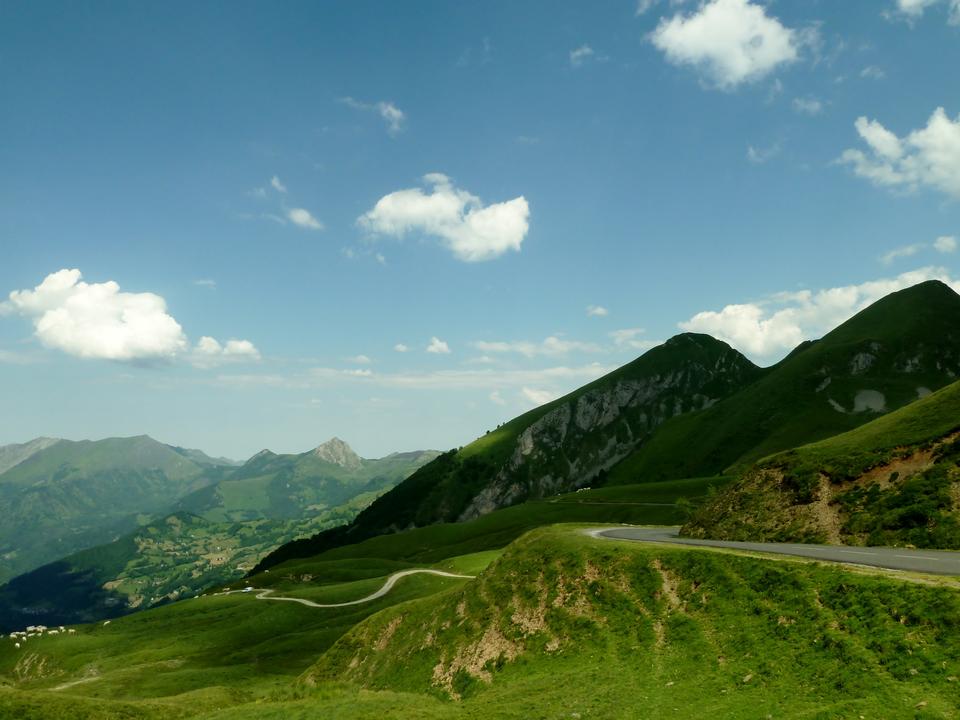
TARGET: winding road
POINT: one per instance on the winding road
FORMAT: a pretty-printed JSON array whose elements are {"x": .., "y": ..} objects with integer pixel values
[
  {"x": 934, "y": 562},
  {"x": 267, "y": 594}
]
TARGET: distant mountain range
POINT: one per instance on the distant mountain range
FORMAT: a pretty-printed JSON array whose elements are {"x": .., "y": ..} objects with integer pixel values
[
  {"x": 691, "y": 407},
  {"x": 99, "y": 528}
]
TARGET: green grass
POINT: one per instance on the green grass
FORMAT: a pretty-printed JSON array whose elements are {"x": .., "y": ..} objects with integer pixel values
[
  {"x": 646, "y": 504},
  {"x": 556, "y": 624}
]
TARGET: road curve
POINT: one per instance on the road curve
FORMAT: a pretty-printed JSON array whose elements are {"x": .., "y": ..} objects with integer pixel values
[
  {"x": 267, "y": 594},
  {"x": 934, "y": 562}
]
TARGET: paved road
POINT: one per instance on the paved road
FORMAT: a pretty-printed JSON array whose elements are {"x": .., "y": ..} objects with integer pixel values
[
  {"x": 387, "y": 586},
  {"x": 937, "y": 562}
]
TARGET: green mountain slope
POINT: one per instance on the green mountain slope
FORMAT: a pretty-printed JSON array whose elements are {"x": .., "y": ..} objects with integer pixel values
[
  {"x": 267, "y": 502},
  {"x": 72, "y": 495},
  {"x": 893, "y": 481},
  {"x": 898, "y": 349},
  {"x": 558, "y": 625},
  {"x": 563, "y": 445},
  {"x": 272, "y": 486},
  {"x": 11, "y": 455}
]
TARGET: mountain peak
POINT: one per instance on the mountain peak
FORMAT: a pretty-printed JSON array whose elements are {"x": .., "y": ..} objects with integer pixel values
[{"x": 336, "y": 451}]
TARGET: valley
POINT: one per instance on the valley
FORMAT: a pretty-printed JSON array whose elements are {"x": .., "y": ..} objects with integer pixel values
[{"x": 537, "y": 572}]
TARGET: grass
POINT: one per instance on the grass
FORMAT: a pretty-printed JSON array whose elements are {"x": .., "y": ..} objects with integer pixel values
[
  {"x": 558, "y": 624},
  {"x": 645, "y": 504}
]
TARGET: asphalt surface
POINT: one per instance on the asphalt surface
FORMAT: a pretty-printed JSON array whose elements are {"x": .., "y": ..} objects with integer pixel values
[
  {"x": 262, "y": 594},
  {"x": 936, "y": 562}
]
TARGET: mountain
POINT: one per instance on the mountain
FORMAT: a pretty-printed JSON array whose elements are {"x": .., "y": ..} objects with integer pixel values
[
  {"x": 902, "y": 347},
  {"x": 893, "y": 481},
  {"x": 232, "y": 523},
  {"x": 11, "y": 455},
  {"x": 71, "y": 495},
  {"x": 692, "y": 407},
  {"x": 564, "y": 445},
  {"x": 272, "y": 486}
]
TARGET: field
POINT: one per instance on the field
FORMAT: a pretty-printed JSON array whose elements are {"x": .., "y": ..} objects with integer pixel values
[{"x": 557, "y": 625}]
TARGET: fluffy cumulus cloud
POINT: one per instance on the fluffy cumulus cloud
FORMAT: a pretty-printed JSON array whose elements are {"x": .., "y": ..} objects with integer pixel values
[
  {"x": 99, "y": 321},
  {"x": 768, "y": 329},
  {"x": 401, "y": 348},
  {"x": 303, "y": 218},
  {"x": 210, "y": 353},
  {"x": 551, "y": 347},
  {"x": 928, "y": 157},
  {"x": 730, "y": 42},
  {"x": 393, "y": 116},
  {"x": 472, "y": 231},
  {"x": 438, "y": 346}
]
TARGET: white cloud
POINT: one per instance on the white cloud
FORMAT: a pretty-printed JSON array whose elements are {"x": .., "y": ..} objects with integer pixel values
[
  {"x": 760, "y": 155},
  {"x": 97, "y": 320},
  {"x": 208, "y": 352},
  {"x": 205, "y": 282},
  {"x": 359, "y": 359},
  {"x": 393, "y": 116},
  {"x": 872, "y": 72},
  {"x": 928, "y": 157},
  {"x": 730, "y": 42},
  {"x": 644, "y": 6},
  {"x": 496, "y": 398},
  {"x": 808, "y": 106},
  {"x": 401, "y": 348},
  {"x": 438, "y": 346},
  {"x": 551, "y": 347},
  {"x": 303, "y": 218},
  {"x": 597, "y": 311},
  {"x": 277, "y": 185},
  {"x": 630, "y": 338},
  {"x": 471, "y": 231},
  {"x": 767, "y": 329},
  {"x": 912, "y": 10},
  {"x": 945, "y": 244},
  {"x": 259, "y": 193},
  {"x": 537, "y": 397},
  {"x": 901, "y": 252},
  {"x": 580, "y": 55}
]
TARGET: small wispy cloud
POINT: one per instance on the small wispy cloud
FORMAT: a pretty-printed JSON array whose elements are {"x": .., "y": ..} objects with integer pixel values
[
  {"x": 303, "y": 218},
  {"x": 401, "y": 348},
  {"x": 872, "y": 72},
  {"x": 393, "y": 116},
  {"x": 581, "y": 55},
  {"x": 205, "y": 282},
  {"x": 597, "y": 311},
  {"x": 760, "y": 155},
  {"x": 277, "y": 185},
  {"x": 438, "y": 347},
  {"x": 808, "y": 106}
]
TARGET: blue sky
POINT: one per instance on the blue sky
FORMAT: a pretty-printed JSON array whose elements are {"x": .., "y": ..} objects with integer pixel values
[{"x": 220, "y": 221}]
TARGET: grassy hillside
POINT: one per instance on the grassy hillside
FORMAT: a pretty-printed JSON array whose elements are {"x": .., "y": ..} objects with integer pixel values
[
  {"x": 561, "y": 446},
  {"x": 648, "y": 504},
  {"x": 893, "y": 481},
  {"x": 73, "y": 495},
  {"x": 888, "y": 355},
  {"x": 558, "y": 625},
  {"x": 11, "y": 455}
]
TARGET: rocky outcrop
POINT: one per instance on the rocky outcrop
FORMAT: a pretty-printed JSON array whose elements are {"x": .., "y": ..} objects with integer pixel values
[
  {"x": 336, "y": 451},
  {"x": 586, "y": 434}
]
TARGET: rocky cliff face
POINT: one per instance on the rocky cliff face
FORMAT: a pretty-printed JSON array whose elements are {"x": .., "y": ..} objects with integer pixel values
[{"x": 587, "y": 433}]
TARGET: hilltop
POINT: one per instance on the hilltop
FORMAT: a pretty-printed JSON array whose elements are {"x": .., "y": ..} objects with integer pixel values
[{"x": 693, "y": 407}]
